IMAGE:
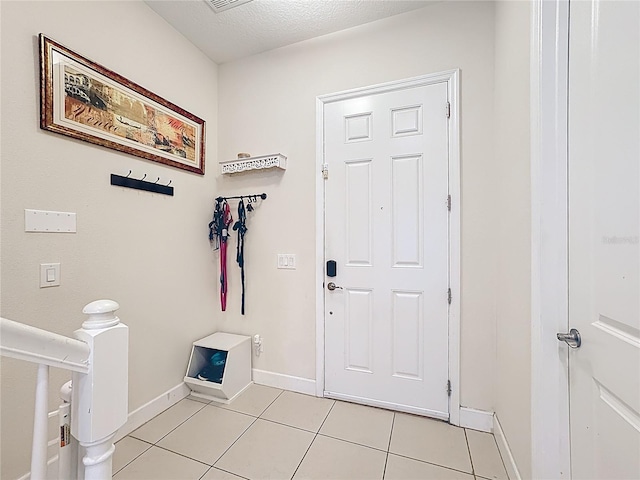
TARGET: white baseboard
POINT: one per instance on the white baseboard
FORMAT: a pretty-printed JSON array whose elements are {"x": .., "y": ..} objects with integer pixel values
[
  {"x": 285, "y": 382},
  {"x": 152, "y": 408},
  {"x": 476, "y": 419},
  {"x": 505, "y": 451}
]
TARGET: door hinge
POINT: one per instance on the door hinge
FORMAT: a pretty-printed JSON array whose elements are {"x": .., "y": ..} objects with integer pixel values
[
  {"x": 449, "y": 202},
  {"x": 449, "y": 296},
  {"x": 448, "y": 110},
  {"x": 448, "y": 388},
  {"x": 325, "y": 171}
]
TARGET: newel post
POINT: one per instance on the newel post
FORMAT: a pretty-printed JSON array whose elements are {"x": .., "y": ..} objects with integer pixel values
[{"x": 100, "y": 397}]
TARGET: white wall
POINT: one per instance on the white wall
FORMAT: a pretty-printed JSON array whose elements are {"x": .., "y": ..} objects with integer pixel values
[
  {"x": 513, "y": 312},
  {"x": 147, "y": 251},
  {"x": 267, "y": 105}
]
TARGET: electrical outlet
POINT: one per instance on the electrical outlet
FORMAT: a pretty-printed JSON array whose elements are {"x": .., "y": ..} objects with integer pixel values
[{"x": 257, "y": 344}]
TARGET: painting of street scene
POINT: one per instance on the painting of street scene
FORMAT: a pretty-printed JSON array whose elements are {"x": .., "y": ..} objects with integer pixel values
[{"x": 95, "y": 104}]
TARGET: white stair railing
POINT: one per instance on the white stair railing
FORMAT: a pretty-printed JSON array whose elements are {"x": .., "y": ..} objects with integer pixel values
[
  {"x": 68, "y": 458},
  {"x": 98, "y": 358}
]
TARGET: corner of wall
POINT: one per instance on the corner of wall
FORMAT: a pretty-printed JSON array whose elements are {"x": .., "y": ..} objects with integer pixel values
[
  {"x": 513, "y": 298},
  {"x": 505, "y": 450}
]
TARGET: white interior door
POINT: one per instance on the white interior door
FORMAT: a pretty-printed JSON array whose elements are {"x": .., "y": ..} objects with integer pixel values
[
  {"x": 604, "y": 262},
  {"x": 386, "y": 226}
]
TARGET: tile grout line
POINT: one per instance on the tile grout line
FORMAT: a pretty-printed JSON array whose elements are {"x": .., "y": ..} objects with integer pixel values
[
  {"x": 272, "y": 402},
  {"x": 495, "y": 442},
  {"x": 326, "y": 416},
  {"x": 473, "y": 467},
  {"x": 183, "y": 455},
  {"x": 222, "y": 470},
  {"x": 211, "y": 465},
  {"x": 354, "y": 443},
  {"x": 393, "y": 422},
  {"x": 188, "y": 457},
  {"x": 225, "y": 406},
  {"x": 312, "y": 441},
  {"x": 303, "y": 456},
  {"x": 160, "y": 439},
  {"x": 286, "y": 424},
  {"x": 210, "y": 403},
  {"x": 136, "y": 457},
  {"x": 205, "y": 472},
  {"x": 255, "y": 419},
  {"x": 315, "y": 436},
  {"x": 233, "y": 411},
  {"x": 431, "y": 463},
  {"x": 386, "y": 459},
  {"x": 500, "y": 454}
]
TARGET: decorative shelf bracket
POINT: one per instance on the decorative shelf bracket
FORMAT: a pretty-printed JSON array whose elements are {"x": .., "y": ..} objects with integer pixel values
[{"x": 276, "y": 160}]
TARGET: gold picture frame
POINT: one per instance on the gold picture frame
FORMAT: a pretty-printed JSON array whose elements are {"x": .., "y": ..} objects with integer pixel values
[{"x": 87, "y": 101}]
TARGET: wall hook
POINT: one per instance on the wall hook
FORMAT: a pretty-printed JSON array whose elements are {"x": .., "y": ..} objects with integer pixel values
[
  {"x": 141, "y": 184},
  {"x": 128, "y": 174},
  {"x": 169, "y": 183},
  {"x": 263, "y": 196}
]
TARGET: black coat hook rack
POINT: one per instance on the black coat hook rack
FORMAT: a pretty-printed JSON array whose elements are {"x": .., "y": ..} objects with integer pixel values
[
  {"x": 263, "y": 196},
  {"x": 141, "y": 184}
]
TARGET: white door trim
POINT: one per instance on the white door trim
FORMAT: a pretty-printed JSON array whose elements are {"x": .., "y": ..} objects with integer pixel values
[
  {"x": 550, "y": 442},
  {"x": 451, "y": 77}
]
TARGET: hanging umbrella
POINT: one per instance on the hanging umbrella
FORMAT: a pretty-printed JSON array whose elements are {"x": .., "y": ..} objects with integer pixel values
[{"x": 219, "y": 233}]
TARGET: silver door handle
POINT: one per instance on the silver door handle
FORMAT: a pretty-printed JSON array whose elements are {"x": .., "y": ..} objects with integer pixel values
[
  {"x": 332, "y": 286},
  {"x": 572, "y": 338}
]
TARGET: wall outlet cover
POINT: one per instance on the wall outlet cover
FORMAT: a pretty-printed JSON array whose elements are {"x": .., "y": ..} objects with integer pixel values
[{"x": 43, "y": 221}]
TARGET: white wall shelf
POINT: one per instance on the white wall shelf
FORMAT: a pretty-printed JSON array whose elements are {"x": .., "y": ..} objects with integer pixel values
[
  {"x": 219, "y": 367},
  {"x": 275, "y": 160}
]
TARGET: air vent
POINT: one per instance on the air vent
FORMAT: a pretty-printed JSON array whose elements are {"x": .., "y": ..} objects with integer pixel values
[{"x": 222, "y": 5}]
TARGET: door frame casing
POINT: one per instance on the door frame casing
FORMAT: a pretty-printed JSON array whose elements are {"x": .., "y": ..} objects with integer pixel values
[
  {"x": 550, "y": 436},
  {"x": 451, "y": 78}
]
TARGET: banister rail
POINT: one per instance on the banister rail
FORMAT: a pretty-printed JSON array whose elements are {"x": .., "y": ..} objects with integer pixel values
[{"x": 32, "y": 344}]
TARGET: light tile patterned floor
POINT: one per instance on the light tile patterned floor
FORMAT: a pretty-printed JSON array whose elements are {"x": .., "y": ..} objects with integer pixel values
[{"x": 268, "y": 433}]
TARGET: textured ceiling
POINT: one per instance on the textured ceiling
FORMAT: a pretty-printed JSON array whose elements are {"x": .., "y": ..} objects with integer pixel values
[{"x": 262, "y": 25}]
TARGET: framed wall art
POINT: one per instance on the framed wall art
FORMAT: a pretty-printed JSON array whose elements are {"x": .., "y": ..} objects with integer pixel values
[{"x": 84, "y": 100}]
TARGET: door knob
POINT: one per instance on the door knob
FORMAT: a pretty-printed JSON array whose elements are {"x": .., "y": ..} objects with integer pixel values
[
  {"x": 332, "y": 286},
  {"x": 572, "y": 338}
]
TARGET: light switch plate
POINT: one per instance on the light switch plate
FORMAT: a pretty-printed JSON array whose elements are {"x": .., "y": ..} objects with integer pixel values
[
  {"x": 44, "y": 221},
  {"x": 49, "y": 275},
  {"x": 287, "y": 261}
]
